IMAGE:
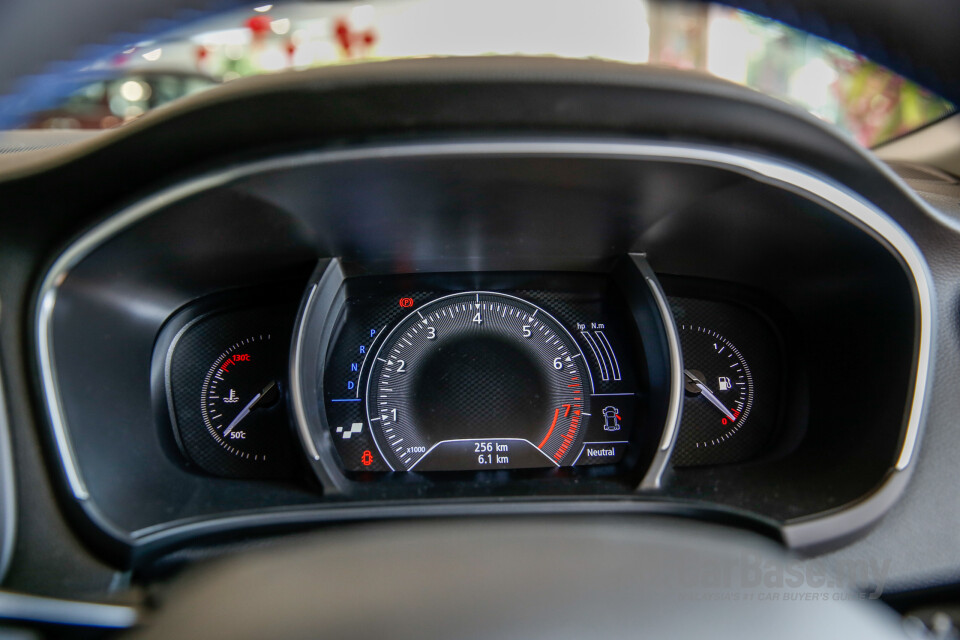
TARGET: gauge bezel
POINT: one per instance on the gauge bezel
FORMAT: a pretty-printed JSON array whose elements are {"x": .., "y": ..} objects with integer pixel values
[
  {"x": 643, "y": 464},
  {"x": 792, "y": 395},
  {"x": 274, "y": 305}
]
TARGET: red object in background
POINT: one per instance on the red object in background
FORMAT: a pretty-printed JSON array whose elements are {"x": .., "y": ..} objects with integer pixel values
[
  {"x": 342, "y": 32},
  {"x": 350, "y": 41},
  {"x": 202, "y": 54},
  {"x": 259, "y": 26},
  {"x": 366, "y": 458},
  {"x": 406, "y": 302}
]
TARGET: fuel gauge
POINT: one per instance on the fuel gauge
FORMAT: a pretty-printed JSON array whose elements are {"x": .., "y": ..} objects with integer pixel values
[
  {"x": 719, "y": 390},
  {"x": 733, "y": 381}
]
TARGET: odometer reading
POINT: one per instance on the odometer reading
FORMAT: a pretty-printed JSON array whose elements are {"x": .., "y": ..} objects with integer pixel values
[{"x": 478, "y": 380}]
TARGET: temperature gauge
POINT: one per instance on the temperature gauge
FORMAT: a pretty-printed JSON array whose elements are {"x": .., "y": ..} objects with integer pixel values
[
  {"x": 225, "y": 384},
  {"x": 238, "y": 396}
]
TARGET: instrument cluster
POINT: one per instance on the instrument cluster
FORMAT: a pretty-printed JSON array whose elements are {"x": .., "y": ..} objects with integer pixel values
[
  {"x": 479, "y": 380},
  {"x": 440, "y": 376}
]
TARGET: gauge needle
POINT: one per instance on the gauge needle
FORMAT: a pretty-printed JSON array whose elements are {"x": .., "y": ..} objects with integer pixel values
[
  {"x": 250, "y": 407},
  {"x": 709, "y": 394}
]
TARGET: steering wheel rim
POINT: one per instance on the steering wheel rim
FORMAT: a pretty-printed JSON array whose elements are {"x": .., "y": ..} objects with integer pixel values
[{"x": 531, "y": 578}]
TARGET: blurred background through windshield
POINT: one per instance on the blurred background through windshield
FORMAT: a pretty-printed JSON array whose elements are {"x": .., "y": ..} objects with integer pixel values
[{"x": 834, "y": 83}]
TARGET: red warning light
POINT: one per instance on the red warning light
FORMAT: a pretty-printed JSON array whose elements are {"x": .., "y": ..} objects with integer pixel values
[
  {"x": 366, "y": 458},
  {"x": 406, "y": 302}
]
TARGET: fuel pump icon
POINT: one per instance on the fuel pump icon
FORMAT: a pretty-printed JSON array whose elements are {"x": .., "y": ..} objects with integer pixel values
[{"x": 611, "y": 419}]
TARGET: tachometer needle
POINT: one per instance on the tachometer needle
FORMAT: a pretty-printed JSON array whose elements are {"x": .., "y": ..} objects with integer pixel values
[
  {"x": 709, "y": 394},
  {"x": 247, "y": 409}
]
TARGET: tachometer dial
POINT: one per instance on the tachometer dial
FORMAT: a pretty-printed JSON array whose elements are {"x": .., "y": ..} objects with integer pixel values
[
  {"x": 478, "y": 380},
  {"x": 719, "y": 388}
]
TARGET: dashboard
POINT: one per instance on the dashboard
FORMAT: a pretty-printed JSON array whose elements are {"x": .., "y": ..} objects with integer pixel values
[
  {"x": 674, "y": 297},
  {"x": 532, "y": 361}
]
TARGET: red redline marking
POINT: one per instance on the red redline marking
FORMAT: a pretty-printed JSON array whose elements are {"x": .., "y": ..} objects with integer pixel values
[
  {"x": 574, "y": 385},
  {"x": 568, "y": 438},
  {"x": 556, "y": 414}
]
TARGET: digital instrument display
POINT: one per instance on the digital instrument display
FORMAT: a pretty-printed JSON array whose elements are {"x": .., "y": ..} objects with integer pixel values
[{"x": 430, "y": 380}]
